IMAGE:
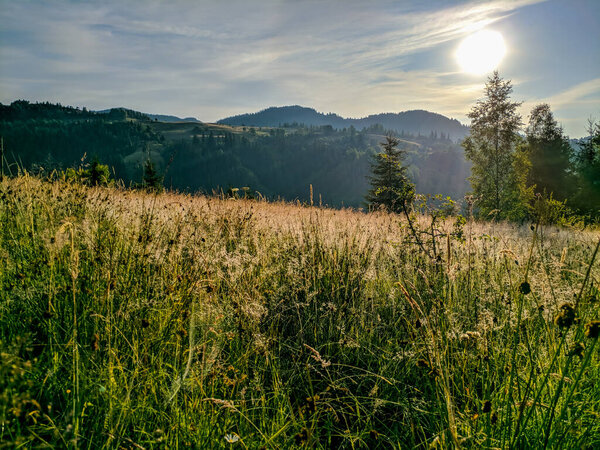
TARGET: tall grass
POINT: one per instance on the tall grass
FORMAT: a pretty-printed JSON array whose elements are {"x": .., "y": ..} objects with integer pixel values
[{"x": 134, "y": 320}]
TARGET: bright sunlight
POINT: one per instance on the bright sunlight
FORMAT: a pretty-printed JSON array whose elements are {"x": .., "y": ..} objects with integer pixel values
[{"x": 481, "y": 52}]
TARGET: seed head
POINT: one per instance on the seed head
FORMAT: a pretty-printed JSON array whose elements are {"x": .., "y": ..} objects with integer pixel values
[
  {"x": 566, "y": 317},
  {"x": 592, "y": 329},
  {"x": 524, "y": 288}
]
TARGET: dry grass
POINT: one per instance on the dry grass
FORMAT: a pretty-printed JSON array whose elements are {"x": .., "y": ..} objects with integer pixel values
[{"x": 139, "y": 320}]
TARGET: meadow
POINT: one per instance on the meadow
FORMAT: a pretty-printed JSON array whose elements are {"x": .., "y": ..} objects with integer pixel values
[{"x": 142, "y": 320}]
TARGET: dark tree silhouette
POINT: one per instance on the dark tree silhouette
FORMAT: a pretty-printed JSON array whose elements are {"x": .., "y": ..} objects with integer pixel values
[
  {"x": 391, "y": 187},
  {"x": 152, "y": 180}
]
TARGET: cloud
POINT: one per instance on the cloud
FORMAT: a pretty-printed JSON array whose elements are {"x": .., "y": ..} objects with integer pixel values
[
  {"x": 587, "y": 92},
  {"x": 572, "y": 106},
  {"x": 211, "y": 59}
]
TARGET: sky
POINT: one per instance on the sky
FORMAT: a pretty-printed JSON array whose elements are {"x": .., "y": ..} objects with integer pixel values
[{"x": 214, "y": 58}]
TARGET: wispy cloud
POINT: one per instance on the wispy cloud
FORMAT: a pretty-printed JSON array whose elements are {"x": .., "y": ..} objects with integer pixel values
[
  {"x": 212, "y": 59},
  {"x": 571, "y": 105},
  {"x": 587, "y": 92}
]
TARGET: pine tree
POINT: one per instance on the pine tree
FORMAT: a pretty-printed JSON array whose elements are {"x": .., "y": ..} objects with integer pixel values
[
  {"x": 497, "y": 177},
  {"x": 550, "y": 154},
  {"x": 391, "y": 187},
  {"x": 152, "y": 181}
]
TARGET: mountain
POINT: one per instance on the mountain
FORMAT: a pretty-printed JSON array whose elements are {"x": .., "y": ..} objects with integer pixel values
[{"x": 412, "y": 122}]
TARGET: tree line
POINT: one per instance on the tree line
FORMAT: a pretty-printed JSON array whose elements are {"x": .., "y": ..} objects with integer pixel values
[
  {"x": 515, "y": 175},
  {"x": 195, "y": 157}
]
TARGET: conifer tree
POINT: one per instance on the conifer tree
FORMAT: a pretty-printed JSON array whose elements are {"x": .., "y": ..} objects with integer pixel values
[
  {"x": 152, "y": 181},
  {"x": 550, "y": 154},
  {"x": 497, "y": 175},
  {"x": 391, "y": 187}
]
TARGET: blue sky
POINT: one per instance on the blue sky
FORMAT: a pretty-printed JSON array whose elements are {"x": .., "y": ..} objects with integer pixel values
[{"x": 212, "y": 59}]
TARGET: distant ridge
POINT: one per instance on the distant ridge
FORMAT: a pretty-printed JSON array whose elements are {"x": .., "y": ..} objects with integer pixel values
[
  {"x": 167, "y": 118},
  {"x": 413, "y": 122},
  {"x": 158, "y": 117}
]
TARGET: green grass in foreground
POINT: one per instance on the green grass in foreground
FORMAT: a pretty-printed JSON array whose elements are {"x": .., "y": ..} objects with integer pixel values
[{"x": 130, "y": 320}]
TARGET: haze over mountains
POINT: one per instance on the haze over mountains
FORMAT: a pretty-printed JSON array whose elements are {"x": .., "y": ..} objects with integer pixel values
[{"x": 416, "y": 122}]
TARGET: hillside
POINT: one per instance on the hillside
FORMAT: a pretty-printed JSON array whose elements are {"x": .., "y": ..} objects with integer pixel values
[
  {"x": 133, "y": 320},
  {"x": 416, "y": 122},
  {"x": 276, "y": 162}
]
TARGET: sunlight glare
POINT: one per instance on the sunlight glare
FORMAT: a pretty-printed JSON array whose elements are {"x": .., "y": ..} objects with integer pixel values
[{"x": 481, "y": 52}]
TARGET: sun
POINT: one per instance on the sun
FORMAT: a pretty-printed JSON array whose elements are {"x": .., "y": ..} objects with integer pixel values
[{"x": 481, "y": 52}]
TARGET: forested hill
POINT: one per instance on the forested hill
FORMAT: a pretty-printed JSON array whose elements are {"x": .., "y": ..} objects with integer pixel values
[
  {"x": 275, "y": 161},
  {"x": 417, "y": 122}
]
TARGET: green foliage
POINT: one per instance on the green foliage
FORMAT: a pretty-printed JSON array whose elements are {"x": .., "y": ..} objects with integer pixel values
[
  {"x": 97, "y": 174},
  {"x": 548, "y": 210},
  {"x": 499, "y": 172},
  {"x": 390, "y": 186}
]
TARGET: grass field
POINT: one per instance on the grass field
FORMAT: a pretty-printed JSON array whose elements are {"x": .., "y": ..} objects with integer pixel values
[{"x": 134, "y": 320}]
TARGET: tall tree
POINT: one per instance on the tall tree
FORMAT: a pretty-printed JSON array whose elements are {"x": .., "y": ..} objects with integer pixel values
[
  {"x": 588, "y": 171},
  {"x": 497, "y": 172},
  {"x": 391, "y": 187},
  {"x": 550, "y": 154}
]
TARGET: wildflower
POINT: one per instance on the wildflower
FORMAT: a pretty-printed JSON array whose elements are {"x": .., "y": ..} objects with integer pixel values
[
  {"x": 592, "y": 329},
  {"x": 566, "y": 317},
  {"x": 232, "y": 438}
]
